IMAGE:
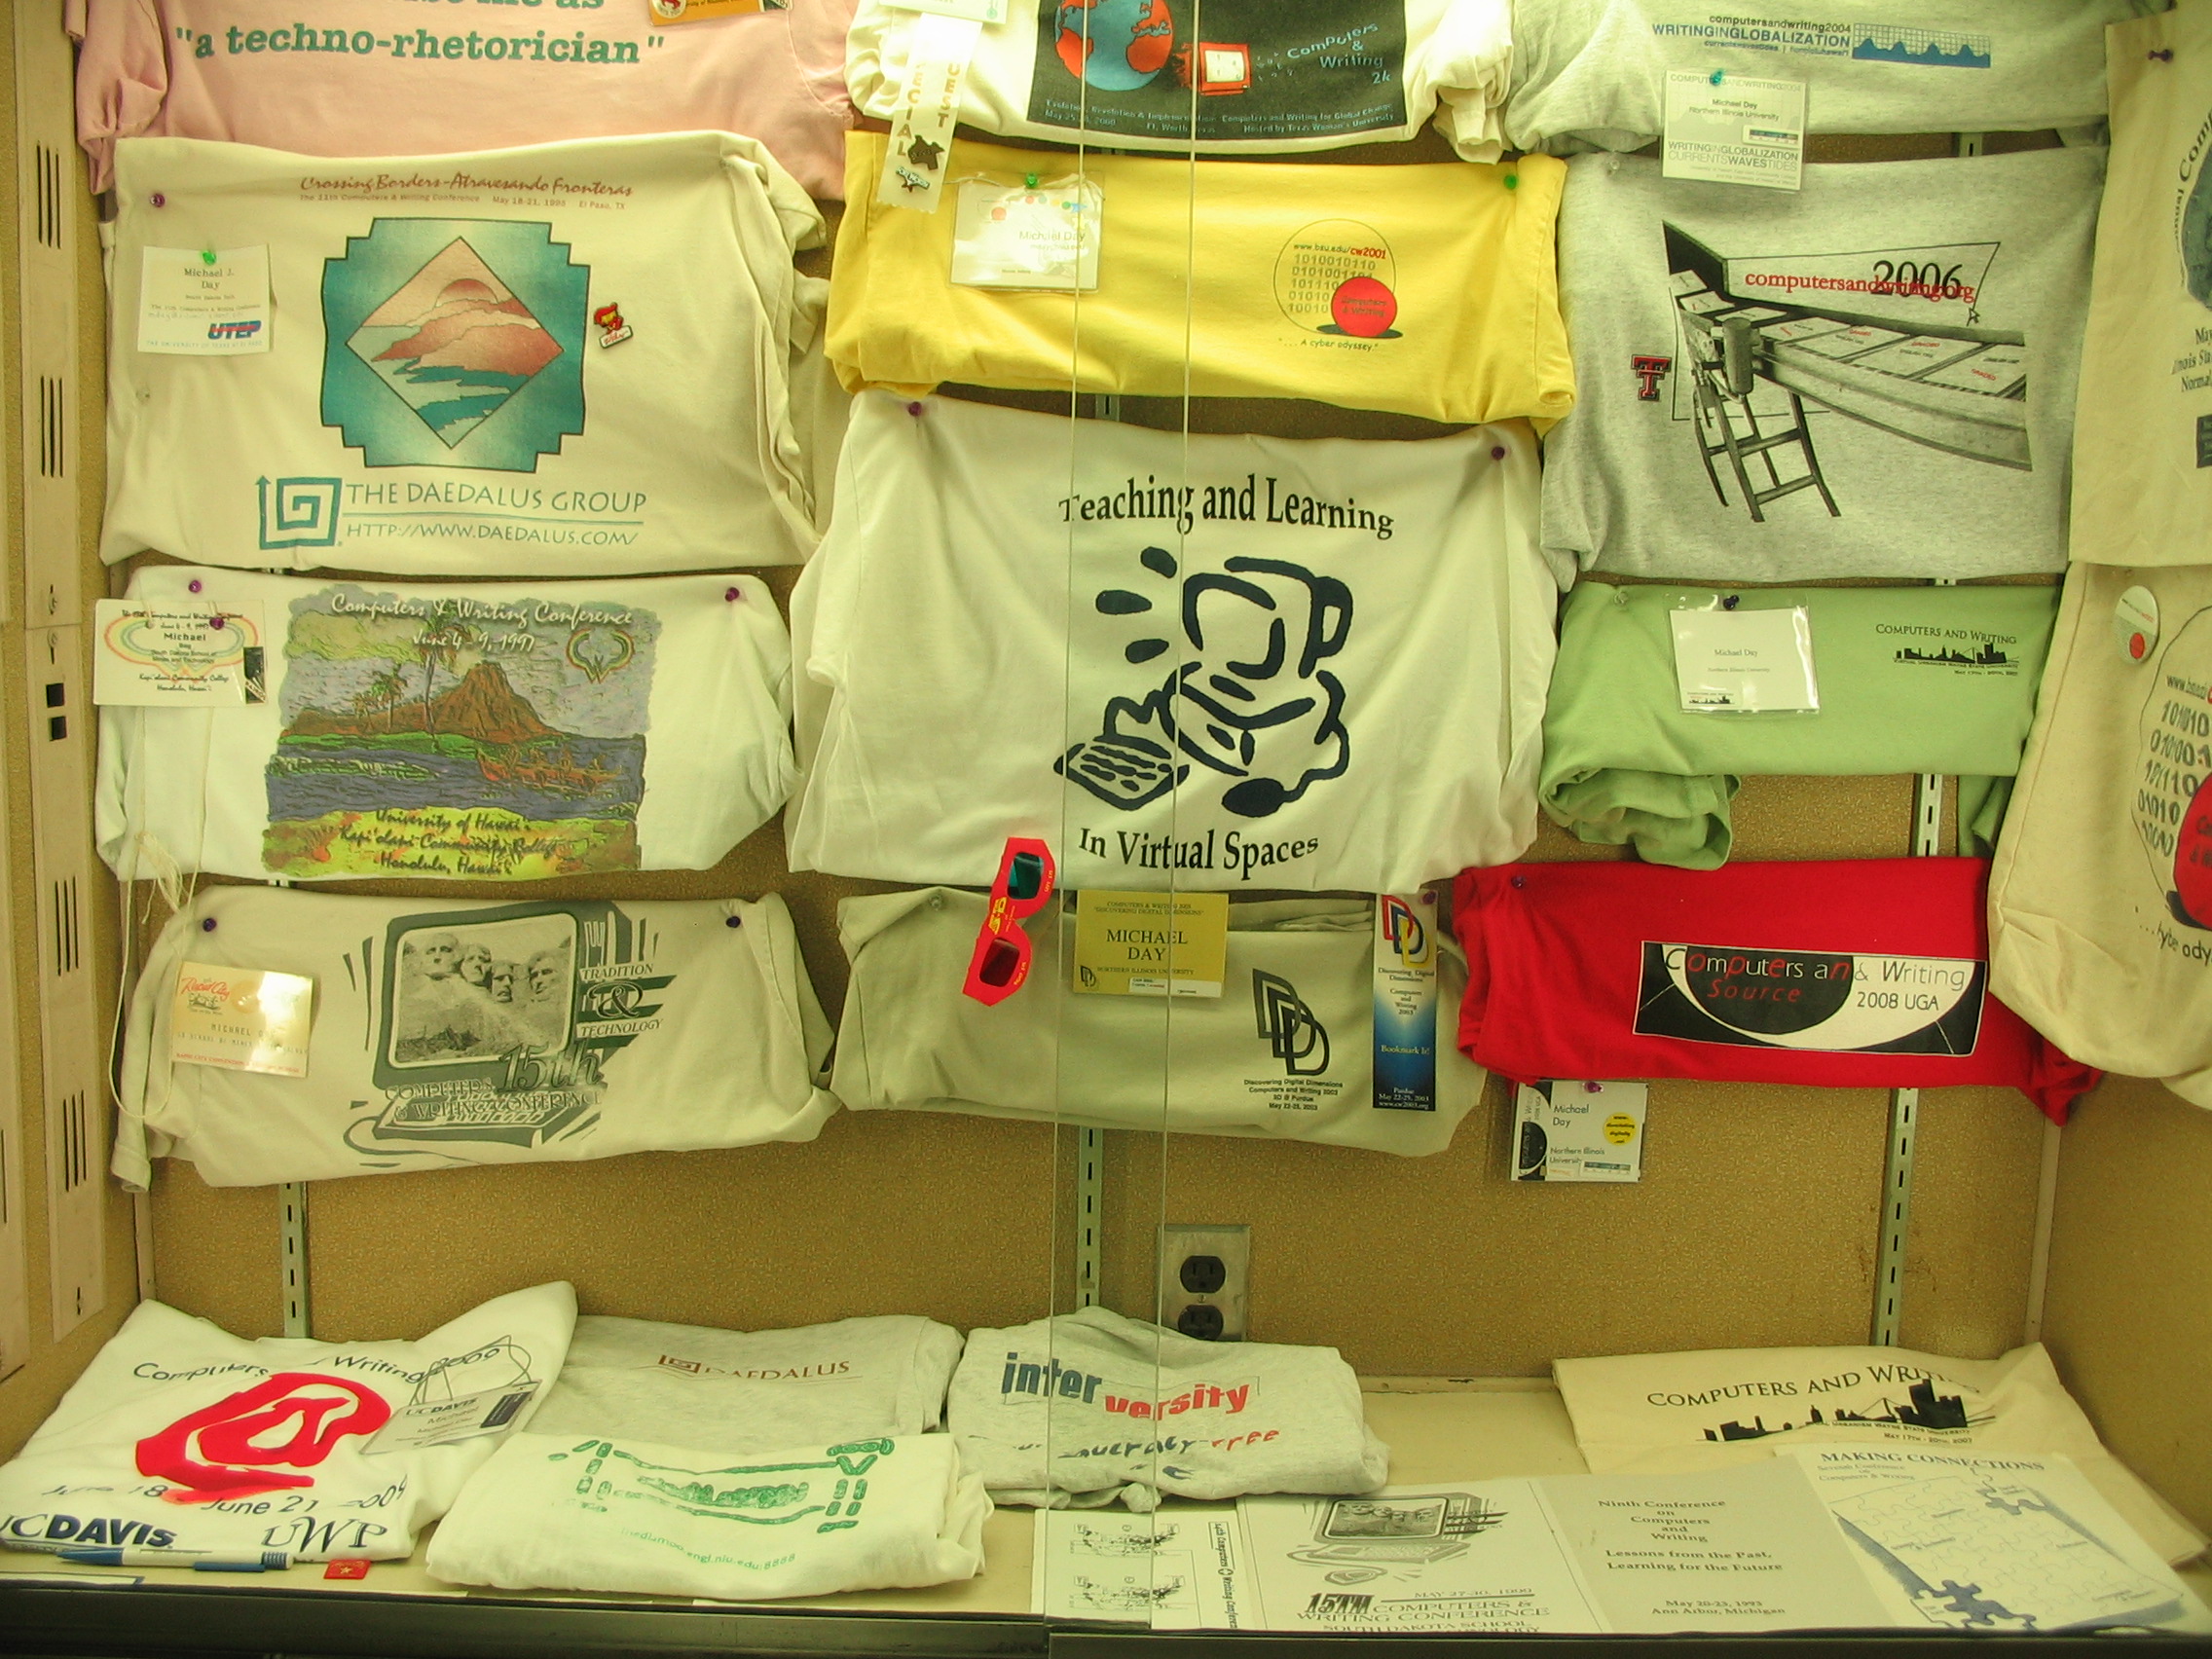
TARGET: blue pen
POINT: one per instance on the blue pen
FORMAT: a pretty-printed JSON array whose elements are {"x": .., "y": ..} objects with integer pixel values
[{"x": 260, "y": 1561}]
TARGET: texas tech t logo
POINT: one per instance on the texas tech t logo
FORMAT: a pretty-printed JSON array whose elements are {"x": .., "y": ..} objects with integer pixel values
[
  {"x": 1649, "y": 372},
  {"x": 1292, "y": 1034}
]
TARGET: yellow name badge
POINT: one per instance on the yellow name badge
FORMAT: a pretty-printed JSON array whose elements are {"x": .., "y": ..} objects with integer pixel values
[
  {"x": 666, "y": 12},
  {"x": 246, "y": 1018},
  {"x": 1151, "y": 944}
]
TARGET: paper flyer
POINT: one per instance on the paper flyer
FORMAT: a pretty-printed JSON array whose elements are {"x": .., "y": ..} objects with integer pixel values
[
  {"x": 1176, "y": 1569},
  {"x": 1972, "y": 1542},
  {"x": 1479, "y": 1555},
  {"x": 1734, "y": 1550}
]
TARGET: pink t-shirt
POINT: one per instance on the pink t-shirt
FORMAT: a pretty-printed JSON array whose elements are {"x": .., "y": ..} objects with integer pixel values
[{"x": 426, "y": 77}]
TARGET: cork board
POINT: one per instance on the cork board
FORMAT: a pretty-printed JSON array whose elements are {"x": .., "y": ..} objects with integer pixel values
[
  {"x": 1756, "y": 1223},
  {"x": 2128, "y": 1314}
]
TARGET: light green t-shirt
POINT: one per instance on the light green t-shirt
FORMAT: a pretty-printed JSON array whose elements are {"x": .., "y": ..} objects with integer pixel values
[{"x": 1909, "y": 680}]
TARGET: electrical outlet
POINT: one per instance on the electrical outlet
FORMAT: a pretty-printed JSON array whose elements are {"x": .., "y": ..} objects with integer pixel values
[{"x": 1205, "y": 1279}]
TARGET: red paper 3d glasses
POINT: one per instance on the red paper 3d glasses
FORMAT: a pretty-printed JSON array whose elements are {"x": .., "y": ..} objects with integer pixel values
[{"x": 1001, "y": 962}]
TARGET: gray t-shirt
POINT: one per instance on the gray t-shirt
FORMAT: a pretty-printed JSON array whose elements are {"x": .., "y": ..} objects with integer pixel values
[
  {"x": 1872, "y": 376},
  {"x": 1591, "y": 73}
]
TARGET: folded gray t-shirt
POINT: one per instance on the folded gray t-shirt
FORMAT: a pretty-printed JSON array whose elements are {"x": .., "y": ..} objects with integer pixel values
[
  {"x": 1871, "y": 376},
  {"x": 1089, "y": 1406},
  {"x": 1592, "y": 73}
]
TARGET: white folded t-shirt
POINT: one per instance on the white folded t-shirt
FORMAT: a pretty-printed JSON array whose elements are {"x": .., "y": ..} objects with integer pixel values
[
  {"x": 1669, "y": 1413},
  {"x": 750, "y": 1392},
  {"x": 451, "y": 1033},
  {"x": 1286, "y": 1052},
  {"x": 1274, "y": 76},
  {"x": 1594, "y": 72},
  {"x": 181, "y": 1436},
  {"x": 1316, "y": 664},
  {"x": 569, "y": 359},
  {"x": 562, "y": 1512},
  {"x": 458, "y": 731},
  {"x": 1090, "y": 1407}
]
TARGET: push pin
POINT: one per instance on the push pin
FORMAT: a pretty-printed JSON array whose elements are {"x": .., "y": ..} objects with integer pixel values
[
  {"x": 192, "y": 586},
  {"x": 206, "y": 924},
  {"x": 1731, "y": 601}
]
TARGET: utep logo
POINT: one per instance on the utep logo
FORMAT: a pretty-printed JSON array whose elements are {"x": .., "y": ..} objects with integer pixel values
[
  {"x": 1288, "y": 1027},
  {"x": 299, "y": 512},
  {"x": 454, "y": 342},
  {"x": 1649, "y": 372},
  {"x": 231, "y": 1448},
  {"x": 1251, "y": 701},
  {"x": 245, "y": 330},
  {"x": 1408, "y": 937}
]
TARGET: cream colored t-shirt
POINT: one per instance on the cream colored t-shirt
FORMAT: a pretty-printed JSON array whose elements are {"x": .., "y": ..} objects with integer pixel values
[
  {"x": 450, "y": 1032},
  {"x": 2143, "y": 437},
  {"x": 1286, "y": 1052},
  {"x": 572, "y": 359},
  {"x": 460, "y": 730},
  {"x": 2100, "y": 900}
]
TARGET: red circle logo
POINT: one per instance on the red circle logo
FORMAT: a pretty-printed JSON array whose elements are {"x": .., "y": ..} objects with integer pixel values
[
  {"x": 1363, "y": 307},
  {"x": 2193, "y": 858},
  {"x": 2137, "y": 645},
  {"x": 242, "y": 1444}
]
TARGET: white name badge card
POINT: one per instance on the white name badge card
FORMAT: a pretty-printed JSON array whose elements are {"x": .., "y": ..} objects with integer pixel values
[
  {"x": 203, "y": 302},
  {"x": 1027, "y": 236},
  {"x": 152, "y": 656},
  {"x": 1745, "y": 661},
  {"x": 1569, "y": 1129},
  {"x": 441, "y": 1423},
  {"x": 242, "y": 1018},
  {"x": 1734, "y": 129}
]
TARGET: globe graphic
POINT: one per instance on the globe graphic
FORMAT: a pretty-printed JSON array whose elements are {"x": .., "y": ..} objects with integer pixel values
[
  {"x": 2196, "y": 238},
  {"x": 1128, "y": 44}
]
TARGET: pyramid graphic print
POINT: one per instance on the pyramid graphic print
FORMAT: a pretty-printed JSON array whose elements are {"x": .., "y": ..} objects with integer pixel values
[{"x": 454, "y": 342}]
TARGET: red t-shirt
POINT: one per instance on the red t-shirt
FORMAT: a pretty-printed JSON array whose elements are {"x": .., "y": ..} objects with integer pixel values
[{"x": 1851, "y": 974}]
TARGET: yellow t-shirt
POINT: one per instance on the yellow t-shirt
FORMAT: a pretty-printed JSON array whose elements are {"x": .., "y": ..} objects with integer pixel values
[{"x": 1424, "y": 290}]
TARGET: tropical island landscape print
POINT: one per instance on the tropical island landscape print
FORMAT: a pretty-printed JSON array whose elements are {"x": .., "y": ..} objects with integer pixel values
[{"x": 457, "y": 737}]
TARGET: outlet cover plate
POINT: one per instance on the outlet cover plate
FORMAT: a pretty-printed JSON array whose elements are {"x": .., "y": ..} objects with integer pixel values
[{"x": 1179, "y": 1241}]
